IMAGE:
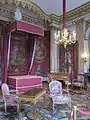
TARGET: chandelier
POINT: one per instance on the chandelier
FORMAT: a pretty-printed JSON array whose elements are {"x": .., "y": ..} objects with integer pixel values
[{"x": 65, "y": 37}]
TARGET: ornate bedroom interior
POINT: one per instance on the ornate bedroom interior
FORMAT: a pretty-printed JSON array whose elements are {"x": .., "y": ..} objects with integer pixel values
[{"x": 35, "y": 49}]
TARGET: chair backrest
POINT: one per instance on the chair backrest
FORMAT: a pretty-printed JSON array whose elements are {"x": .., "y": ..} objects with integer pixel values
[
  {"x": 50, "y": 78},
  {"x": 55, "y": 87},
  {"x": 5, "y": 89},
  {"x": 80, "y": 78}
]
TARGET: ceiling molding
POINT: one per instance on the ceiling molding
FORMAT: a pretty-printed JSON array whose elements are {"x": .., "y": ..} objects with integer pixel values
[
  {"x": 72, "y": 15},
  {"x": 31, "y": 6}
]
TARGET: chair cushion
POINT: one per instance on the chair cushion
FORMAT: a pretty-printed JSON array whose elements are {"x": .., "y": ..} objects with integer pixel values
[
  {"x": 11, "y": 98},
  {"x": 77, "y": 84},
  {"x": 62, "y": 98}
]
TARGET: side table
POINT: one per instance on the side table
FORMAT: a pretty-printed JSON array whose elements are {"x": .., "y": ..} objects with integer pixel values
[{"x": 31, "y": 96}]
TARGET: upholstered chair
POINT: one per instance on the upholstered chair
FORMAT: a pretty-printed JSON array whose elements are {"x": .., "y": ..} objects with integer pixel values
[
  {"x": 50, "y": 78},
  {"x": 9, "y": 96},
  {"x": 56, "y": 93},
  {"x": 78, "y": 82}
]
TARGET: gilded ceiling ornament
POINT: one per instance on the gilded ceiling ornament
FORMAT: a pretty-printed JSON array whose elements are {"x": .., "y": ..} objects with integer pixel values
[
  {"x": 29, "y": 6},
  {"x": 9, "y": 1},
  {"x": 78, "y": 12},
  {"x": 38, "y": 12},
  {"x": 23, "y": 4},
  {"x": 2, "y": 1},
  {"x": 17, "y": 2},
  {"x": 45, "y": 18},
  {"x": 34, "y": 9}
]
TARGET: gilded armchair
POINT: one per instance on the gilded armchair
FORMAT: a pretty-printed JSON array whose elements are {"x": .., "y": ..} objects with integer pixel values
[{"x": 56, "y": 93}]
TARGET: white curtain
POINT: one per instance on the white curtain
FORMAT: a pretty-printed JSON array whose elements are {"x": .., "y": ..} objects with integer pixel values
[
  {"x": 8, "y": 54},
  {"x": 33, "y": 55}
]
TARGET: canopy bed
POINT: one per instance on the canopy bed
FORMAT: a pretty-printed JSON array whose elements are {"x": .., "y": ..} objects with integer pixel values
[{"x": 19, "y": 50}]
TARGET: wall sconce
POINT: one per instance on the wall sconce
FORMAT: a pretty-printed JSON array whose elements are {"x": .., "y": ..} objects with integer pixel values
[{"x": 84, "y": 57}]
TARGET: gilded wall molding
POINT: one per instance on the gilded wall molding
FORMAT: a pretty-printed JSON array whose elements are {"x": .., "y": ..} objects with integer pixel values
[
  {"x": 72, "y": 15},
  {"x": 31, "y": 6},
  {"x": 8, "y": 16},
  {"x": 42, "y": 17},
  {"x": 87, "y": 24}
]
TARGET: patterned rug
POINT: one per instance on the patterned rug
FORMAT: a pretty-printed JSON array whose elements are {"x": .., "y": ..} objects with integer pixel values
[{"x": 44, "y": 110}]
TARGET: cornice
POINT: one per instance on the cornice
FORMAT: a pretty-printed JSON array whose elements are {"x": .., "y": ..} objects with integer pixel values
[
  {"x": 72, "y": 15},
  {"x": 31, "y": 6},
  {"x": 42, "y": 17},
  {"x": 8, "y": 16},
  {"x": 54, "y": 19},
  {"x": 87, "y": 24}
]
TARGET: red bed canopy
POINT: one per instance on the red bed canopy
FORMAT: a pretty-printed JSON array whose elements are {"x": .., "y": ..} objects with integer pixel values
[
  {"x": 35, "y": 30},
  {"x": 25, "y": 27}
]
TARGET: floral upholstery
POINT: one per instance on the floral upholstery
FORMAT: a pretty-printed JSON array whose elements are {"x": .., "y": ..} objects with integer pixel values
[
  {"x": 50, "y": 78},
  {"x": 79, "y": 82},
  {"x": 56, "y": 88},
  {"x": 9, "y": 96},
  {"x": 56, "y": 93}
]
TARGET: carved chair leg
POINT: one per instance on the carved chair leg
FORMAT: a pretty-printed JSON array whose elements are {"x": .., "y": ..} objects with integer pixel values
[
  {"x": 70, "y": 104},
  {"x": 5, "y": 107},
  {"x": 53, "y": 106},
  {"x": 50, "y": 101},
  {"x": 81, "y": 88}
]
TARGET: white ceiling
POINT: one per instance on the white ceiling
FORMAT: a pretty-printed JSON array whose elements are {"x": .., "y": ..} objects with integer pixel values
[{"x": 55, "y": 6}]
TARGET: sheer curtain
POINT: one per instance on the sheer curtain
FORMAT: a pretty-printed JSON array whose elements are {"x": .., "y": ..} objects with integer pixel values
[
  {"x": 6, "y": 55},
  {"x": 32, "y": 56}
]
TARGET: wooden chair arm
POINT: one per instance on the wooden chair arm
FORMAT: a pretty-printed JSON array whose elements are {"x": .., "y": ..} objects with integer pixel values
[
  {"x": 65, "y": 90},
  {"x": 74, "y": 79},
  {"x": 13, "y": 91},
  {"x": 67, "y": 93}
]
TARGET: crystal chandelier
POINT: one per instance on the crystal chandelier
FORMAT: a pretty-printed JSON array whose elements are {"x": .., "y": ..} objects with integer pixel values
[{"x": 65, "y": 38}]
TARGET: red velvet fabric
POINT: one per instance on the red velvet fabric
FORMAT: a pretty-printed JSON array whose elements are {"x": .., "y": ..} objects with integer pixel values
[{"x": 25, "y": 27}]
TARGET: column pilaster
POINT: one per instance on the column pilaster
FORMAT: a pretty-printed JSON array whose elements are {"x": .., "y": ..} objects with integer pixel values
[
  {"x": 54, "y": 55},
  {"x": 80, "y": 31}
]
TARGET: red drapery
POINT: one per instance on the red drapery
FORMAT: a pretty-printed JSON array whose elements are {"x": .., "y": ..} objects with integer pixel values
[
  {"x": 64, "y": 13},
  {"x": 17, "y": 26}
]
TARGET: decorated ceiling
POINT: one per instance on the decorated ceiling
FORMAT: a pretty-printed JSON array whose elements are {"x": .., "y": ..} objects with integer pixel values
[
  {"x": 55, "y": 6},
  {"x": 45, "y": 11}
]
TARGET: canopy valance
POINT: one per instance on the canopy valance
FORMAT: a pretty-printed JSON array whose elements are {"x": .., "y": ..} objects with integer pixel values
[{"x": 25, "y": 27}]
